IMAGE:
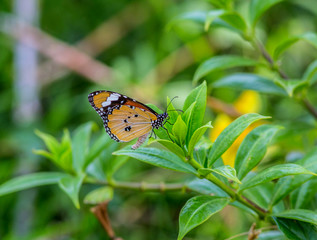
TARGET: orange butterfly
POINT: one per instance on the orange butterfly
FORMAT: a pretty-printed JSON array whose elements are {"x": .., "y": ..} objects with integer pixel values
[{"x": 125, "y": 118}]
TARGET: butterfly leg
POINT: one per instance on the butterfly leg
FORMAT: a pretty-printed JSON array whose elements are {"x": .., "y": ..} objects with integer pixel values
[
  {"x": 140, "y": 141},
  {"x": 168, "y": 133}
]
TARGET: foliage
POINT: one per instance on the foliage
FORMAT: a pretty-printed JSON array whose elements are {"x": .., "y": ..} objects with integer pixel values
[{"x": 273, "y": 178}]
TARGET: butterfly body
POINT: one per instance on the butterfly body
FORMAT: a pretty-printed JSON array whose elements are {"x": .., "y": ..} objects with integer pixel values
[{"x": 125, "y": 118}]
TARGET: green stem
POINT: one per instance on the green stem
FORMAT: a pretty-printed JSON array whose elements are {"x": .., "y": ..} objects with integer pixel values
[
  {"x": 235, "y": 196},
  {"x": 141, "y": 186}
]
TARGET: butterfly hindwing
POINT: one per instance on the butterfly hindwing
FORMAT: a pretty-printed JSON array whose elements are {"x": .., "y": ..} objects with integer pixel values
[{"x": 124, "y": 118}]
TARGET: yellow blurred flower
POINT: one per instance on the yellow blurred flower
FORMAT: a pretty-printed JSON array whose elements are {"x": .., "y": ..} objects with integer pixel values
[{"x": 248, "y": 102}]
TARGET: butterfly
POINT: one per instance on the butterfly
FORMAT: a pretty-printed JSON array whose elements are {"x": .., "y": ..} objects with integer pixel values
[{"x": 125, "y": 118}]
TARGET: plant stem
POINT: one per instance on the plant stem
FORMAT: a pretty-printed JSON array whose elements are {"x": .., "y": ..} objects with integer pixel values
[
  {"x": 235, "y": 196},
  {"x": 309, "y": 107},
  {"x": 142, "y": 186}
]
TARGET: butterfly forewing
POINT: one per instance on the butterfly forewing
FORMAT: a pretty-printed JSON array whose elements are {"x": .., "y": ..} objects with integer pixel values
[{"x": 124, "y": 118}]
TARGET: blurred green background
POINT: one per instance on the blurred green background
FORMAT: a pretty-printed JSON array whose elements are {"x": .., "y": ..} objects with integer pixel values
[{"x": 79, "y": 46}]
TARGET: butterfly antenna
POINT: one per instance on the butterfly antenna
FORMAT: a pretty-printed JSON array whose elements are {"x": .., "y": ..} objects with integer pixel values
[{"x": 170, "y": 102}]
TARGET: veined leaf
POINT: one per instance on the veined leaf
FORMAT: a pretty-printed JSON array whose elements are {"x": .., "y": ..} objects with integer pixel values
[
  {"x": 196, "y": 136},
  {"x": 230, "y": 134},
  {"x": 225, "y": 171},
  {"x": 179, "y": 131},
  {"x": 253, "y": 149},
  {"x": 159, "y": 158},
  {"x": 303, "y": 215},
  {"x": 275, "y": 172},
  {"x": 174, "y": 148},
  {"x": 197, "y": 210}
]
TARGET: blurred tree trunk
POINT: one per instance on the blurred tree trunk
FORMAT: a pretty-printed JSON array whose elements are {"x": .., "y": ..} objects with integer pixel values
[{"x": 25, "y": 112}]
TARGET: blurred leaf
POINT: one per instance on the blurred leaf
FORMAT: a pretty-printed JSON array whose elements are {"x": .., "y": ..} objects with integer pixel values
[
  {"x": 274, "y": 172},
  {"x": 97, "y": 147},
  {"x": 248, "y": 81},
  {"x": 221, "y": 63},
  {"x": 206, "y": 187},
  {"x": 225, "y": 171},
  {"x": 71, "y": 186},
  {"x": 51, "y": 143},
  {"x": 198, "y": 210},
  {"x": 305, "y": 194},
  {"x": 253, "y": 149},
  {"x": 198, "y": 95},
  {"x": 174, "y": 148},
  {"x": 302, "y": 215},
  {"x": 29, "y": 181},
  {"x": 212, "y": 15},
  {"x": 291, "y": 86},
  {"x": 230, "y": 134},
  {"x": 179, "y": 131},
  {"x": 196, "y": 137},
  {"x": 221, "y": 3},
  {"x": 80, "y": 146},
  {"x": 271, "y": 235},
  {"x": 287, "y": 184},
  {"x": 159, "y": 158},
  {"x": 99, "y": 195},
  {"x": 309, "y": 37},
  {"x": 310, "y": 73},
  {"x": 235, "y": 20},
  {"x": 296, "y": 230},
  {"x": 258, "y": 8}
]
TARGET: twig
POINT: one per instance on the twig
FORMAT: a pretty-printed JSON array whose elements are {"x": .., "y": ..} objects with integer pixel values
[
  {"x": 55, "y": 49},
  {"x": 101, "y": 213},
  {"x": 247, "y": 233}
]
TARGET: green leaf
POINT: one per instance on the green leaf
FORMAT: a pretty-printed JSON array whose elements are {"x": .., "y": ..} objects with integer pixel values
[
  {"x": 179, "y": 131},
  {"x": 225, "y": 171},
  {"x": 275, "y": 172},
  {"x": 291, "y": 86},
  {"x": 29, "y": 181},
  {"x": 309, "y": 37},
  {"x": 223, "y": 62},
  {"x": 287, "y": 184},
  {"x": 235, "y": 20},
  {"x": 51, "y": 143},
  {"x": 206, "y": 187},
  {"x": 248, "y": 81},
  {"x": 188, "y": 113},
  {"x": 253, "y": 148},
  {"x": 305, "y": 194},
  {"x": 198, "y": 210},
  {"x": 296, "y": 230},
  {"x": 198, "y": 95},
  {"x": 71, "y": 186},
  {"x": 174, "y": 148},
  {"x": 310, "y": 73},
  {"x": 196, "y": 137},
  {"x": 302, "y": 215},
  {"x": 99, "y": 195},
  {"x": 230, "y": 134},
  {"x": 172, "y": 113},
  {"x": 80, "y": 146},
  {"x": 258, "y": 8},
  {"x": 211, "y": 16},
  {"x": 159, "y": 158}
]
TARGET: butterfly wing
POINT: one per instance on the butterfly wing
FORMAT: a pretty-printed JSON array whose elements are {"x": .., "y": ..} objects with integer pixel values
[{"x": 124, "y": 118}]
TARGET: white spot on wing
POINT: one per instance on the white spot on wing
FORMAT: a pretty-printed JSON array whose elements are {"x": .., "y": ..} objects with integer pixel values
[{"x": 106, "y": 103}]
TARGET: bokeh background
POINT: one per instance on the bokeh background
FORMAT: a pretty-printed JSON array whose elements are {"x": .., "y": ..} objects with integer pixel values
[{"x": 53, "y": 53}]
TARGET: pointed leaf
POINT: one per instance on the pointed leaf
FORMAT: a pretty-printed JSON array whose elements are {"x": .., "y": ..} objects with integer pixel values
[
  {"x": 179, "y": 131},
  {"x": 80, "y": 145},
  {"x": 29, "y": 181},
  {"x": 275, "y": 172},
  {"x": 225, "y": 171},
  {"x": 309, "y": 37},
  {"x": 230, "y": 134},
  {"x": 305, "y": 194},
  {"x": 196, "y": 137},
  {"x": 158, "y": 158},
  {"x": 253, "y": 149},
  {"x": 310, "y": 73},
  {"x": 174, "y": 148},
  {"x": 303, "y": 215},
  {"x": 51, "y": 143},
  {"x": 223, "y": 62},
  {"x": 71, "y": 186},
  {"x": 198, "y": 210}
]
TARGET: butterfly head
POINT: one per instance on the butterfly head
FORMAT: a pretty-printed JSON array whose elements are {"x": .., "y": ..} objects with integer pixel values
[{"x": 159, "y": 122}]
